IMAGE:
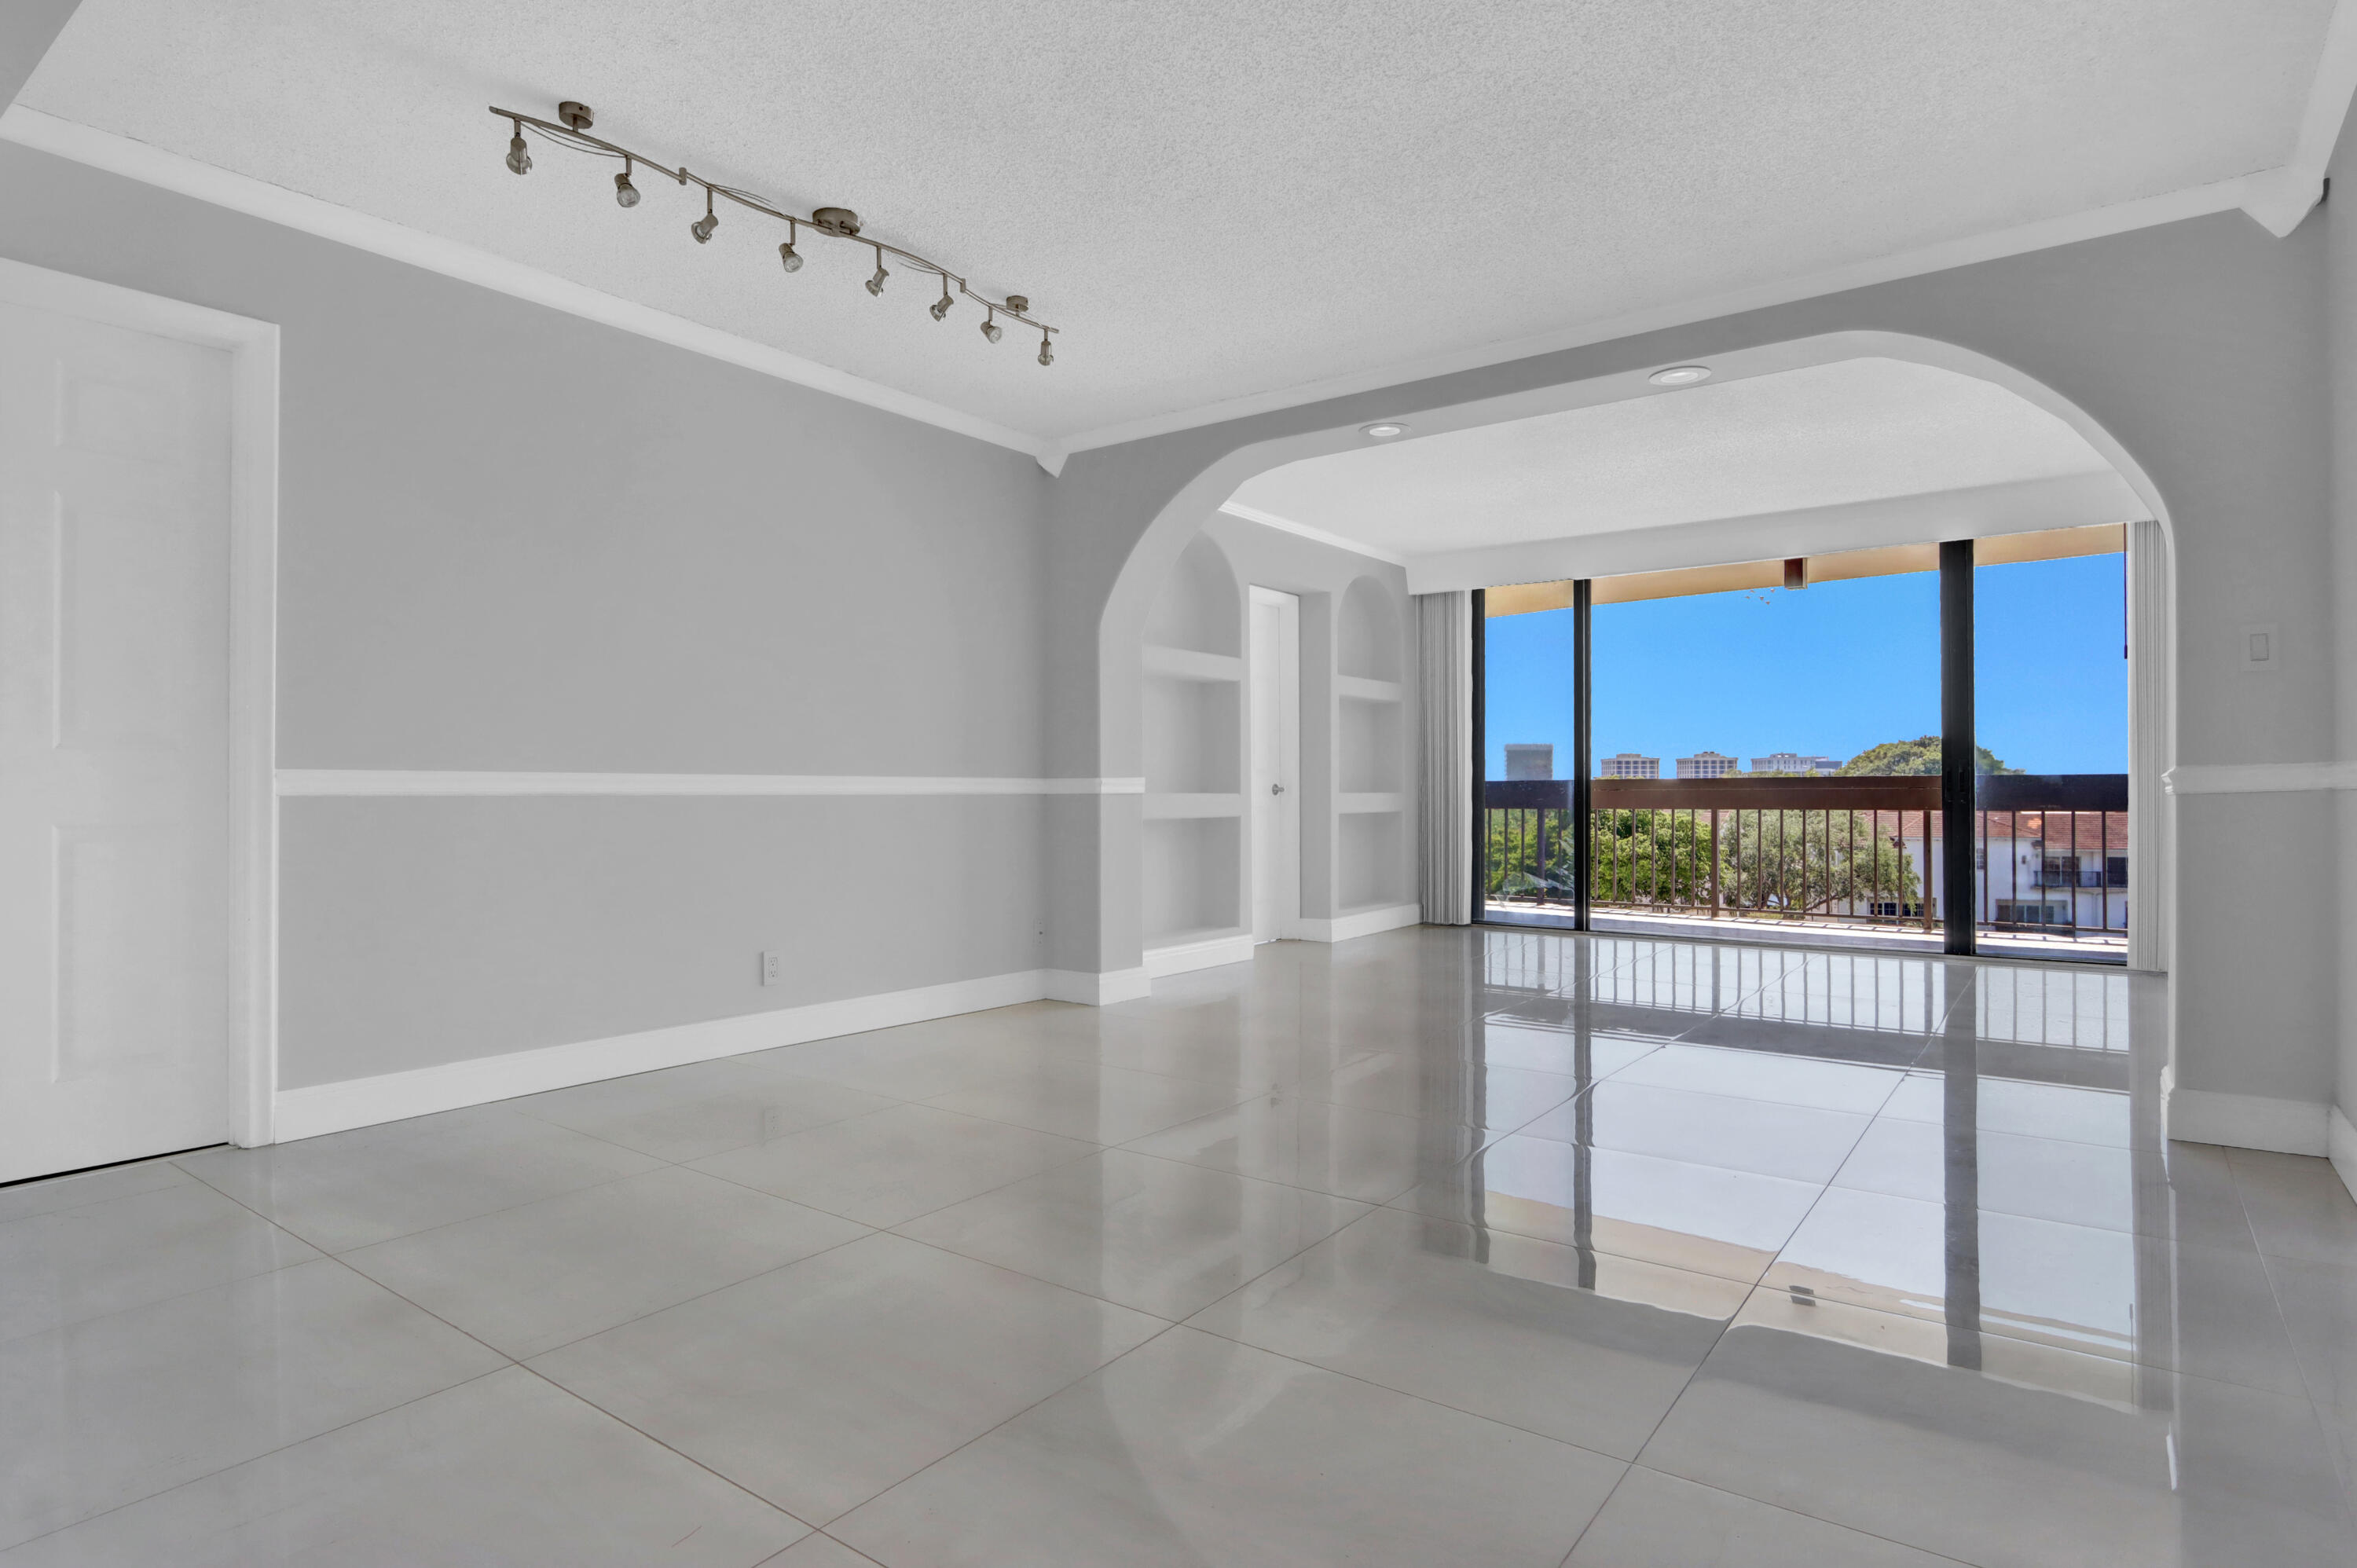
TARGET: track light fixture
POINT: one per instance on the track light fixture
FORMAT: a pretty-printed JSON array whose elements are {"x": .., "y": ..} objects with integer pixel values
[{"x": 836, "y": 222}]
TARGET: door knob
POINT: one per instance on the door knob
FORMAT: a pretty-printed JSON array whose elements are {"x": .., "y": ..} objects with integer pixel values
[{"x": 1276, "y": 789}]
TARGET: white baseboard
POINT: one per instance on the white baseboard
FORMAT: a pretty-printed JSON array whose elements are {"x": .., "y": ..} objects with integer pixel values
[
  {"x": 321, "y": 1107},
  {"x": 1098, "y": 990},
  {"x": 2341, "y": 1142},
  {"x": 1182, "y": 957},
  {"x": 2242, "y": 1120},
  {"x": 1364, "y": 923}
]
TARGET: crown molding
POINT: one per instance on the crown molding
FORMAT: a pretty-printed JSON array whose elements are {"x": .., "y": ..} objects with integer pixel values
[
  {"x": 1270, "y": 520},
  {"x": 151, "y": 164},
  {"x": 2280, "y": 198}
]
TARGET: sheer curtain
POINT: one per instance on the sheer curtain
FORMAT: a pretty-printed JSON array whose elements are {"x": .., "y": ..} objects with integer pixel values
[{"x": 1445, "y": 755}]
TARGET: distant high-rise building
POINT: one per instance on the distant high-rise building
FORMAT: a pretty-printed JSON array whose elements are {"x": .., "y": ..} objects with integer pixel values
[
  {"x": 1629, "y": 765},
  {"x": 1536, "y": 761},
  {"x": 1705, "y": 765},
  {"x": 1793, "y": 762}
]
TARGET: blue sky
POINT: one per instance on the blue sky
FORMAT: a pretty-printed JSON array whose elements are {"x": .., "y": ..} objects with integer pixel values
[{"x": 1834, "y": 669}]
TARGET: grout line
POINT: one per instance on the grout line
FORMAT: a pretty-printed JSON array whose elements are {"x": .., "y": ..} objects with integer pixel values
[
  {"x": 1762, "y": 1502},
  {"x": 641, "y": 1317},
  {"x": 267, "y": 1452},
  {"x": 1167, "y": 1327},
  {"x": 601, "y": 1410}
]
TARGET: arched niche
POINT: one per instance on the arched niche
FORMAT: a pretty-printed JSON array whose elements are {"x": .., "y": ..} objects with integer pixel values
[
  {"x": 1200, "y": 608},
  {"x": 1367, "y": 641}
]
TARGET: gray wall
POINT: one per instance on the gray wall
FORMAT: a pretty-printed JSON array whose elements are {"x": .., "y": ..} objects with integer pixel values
[
  {"x": 2339, "y": 221},
  {"x": 2195, "y": 344},
  {"x": 511, "y": 538}
]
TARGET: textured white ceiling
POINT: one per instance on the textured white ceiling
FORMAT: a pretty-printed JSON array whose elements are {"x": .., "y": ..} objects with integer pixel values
[
  {"x": 1215, "y": 198},
  {"x": 1856, "y": 430}
]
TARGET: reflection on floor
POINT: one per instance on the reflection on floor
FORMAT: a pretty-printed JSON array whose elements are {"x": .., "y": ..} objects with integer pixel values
[{"x": 1440, "y": 1246}]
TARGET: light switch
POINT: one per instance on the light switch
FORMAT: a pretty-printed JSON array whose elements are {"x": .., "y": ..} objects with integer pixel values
[{"x": 2262, "y": 647}]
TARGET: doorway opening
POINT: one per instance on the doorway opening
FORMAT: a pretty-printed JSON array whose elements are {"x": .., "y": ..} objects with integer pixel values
[{"x": 1275, "y": 705}]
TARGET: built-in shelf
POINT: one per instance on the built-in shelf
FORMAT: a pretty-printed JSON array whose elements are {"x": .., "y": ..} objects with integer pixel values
[
  {"x": 1170, "y": 805},
  {"x": 1191, "y": 664},
  {"x": 1363, "y": 803},
  {"x": 1367, "y": 689}
]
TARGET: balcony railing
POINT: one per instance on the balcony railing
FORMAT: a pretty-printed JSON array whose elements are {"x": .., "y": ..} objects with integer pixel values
[{"x": 2053, "y": 849}]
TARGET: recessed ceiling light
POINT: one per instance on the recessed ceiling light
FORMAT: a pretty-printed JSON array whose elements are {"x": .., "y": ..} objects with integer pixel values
[
  {"x": 1387, "y": 431},
  {"x": 1680, "y": 376}
]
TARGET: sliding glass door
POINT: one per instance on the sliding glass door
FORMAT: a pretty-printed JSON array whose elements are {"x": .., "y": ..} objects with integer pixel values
[{"x": 1763, "y": 748}]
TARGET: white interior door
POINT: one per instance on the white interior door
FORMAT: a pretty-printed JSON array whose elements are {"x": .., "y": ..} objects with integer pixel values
[
  {"x": 1276, "y": 700},
  {"x": 114, "y": 829}
]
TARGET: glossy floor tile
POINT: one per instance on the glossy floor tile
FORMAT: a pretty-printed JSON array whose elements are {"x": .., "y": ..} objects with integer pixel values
[
  {"x": 2110, "y": 1293},
  {"x": 2319, "y": 1308},
  {"x": 820, "y": 1384},
  {"x": 1590, "y": 1349},
  {"x": 506, "y": 1469},
  {"x": 2297, "y": 1207},
  {"x": 1994, "y": 1452},
  {"x": 1198, "y": 1450},
  {"x": 114, "y": 1409},
  {"x": 1159, "y": 1236},
  {"x": 1102, "y": 1104},
  {"x": 2185, "y": 1191},
  {"x": 1706, "y": 1219},
  {"x": 1655, "y": 1520},
  {"x": 349, "y": 1189},
  {"x": 64, "y": 1265},
  {"x": 1440, "y": 1246},
  {"x": 687, "y": 1112},
  {"x": 1801, "y": 1143},
  {"x": 1345, "y": 1150},
  {"x": 543, "y": 1274},
  {"x": 894, "y": 1164}
]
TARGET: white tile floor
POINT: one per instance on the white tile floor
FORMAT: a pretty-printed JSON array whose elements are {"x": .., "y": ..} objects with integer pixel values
[{"x": 1433, "y": 1248}]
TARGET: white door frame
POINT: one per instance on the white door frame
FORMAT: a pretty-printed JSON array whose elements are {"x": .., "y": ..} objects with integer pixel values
[
  {"x": 252, "y": 348},
  {"x": 1288, "y": 731}
]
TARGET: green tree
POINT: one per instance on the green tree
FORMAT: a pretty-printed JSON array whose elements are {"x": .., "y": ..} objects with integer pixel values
[
  {"x": 1514, "y": 868},
  {"x": 1915, "y": 758},
  {"x": 1805, "y": 862}
]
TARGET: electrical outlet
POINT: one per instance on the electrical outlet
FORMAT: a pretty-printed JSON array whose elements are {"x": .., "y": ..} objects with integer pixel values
[{"x": 773, "y": 967}]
